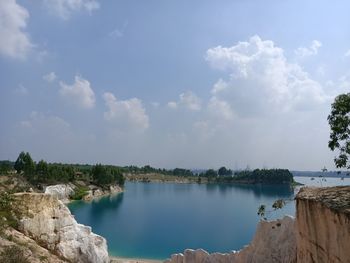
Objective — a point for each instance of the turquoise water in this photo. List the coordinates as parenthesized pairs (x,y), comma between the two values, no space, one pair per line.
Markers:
(155,220)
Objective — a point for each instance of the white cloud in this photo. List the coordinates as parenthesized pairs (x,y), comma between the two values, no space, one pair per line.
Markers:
(261,79)
(172,104)
(21,90)
(129,114)
(65,8)
(14,41)
(188,100)
(50,77)
(79,93)
(309,51)
(347,53)
(118,32)
(220,109)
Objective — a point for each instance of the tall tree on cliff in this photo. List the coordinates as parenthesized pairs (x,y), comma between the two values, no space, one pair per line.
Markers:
(26,164)
(339,121)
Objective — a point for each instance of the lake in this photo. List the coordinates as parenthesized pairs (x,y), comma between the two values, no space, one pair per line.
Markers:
(155,220)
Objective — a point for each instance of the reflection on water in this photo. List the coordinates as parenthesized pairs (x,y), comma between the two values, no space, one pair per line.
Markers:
(154,220)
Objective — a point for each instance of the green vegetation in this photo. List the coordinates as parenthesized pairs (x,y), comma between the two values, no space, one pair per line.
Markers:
(6,216)
(80,192)
(269,176)
(104,175)
(278,204)
(6,167)
(51,173)
(339,121)
(13,254)
(107,174)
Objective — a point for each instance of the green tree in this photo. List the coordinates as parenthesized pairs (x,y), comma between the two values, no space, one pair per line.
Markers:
(29,167)
(224,172)
(26,164)
(211,173)
(42,171)
(339,121)
(19,164)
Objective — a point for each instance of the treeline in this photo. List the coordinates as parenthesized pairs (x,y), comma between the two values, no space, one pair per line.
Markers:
(270,176)
(43,172)
(49,173)
(149,169)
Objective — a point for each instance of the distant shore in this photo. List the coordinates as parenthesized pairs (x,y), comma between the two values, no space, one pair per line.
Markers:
(133,260)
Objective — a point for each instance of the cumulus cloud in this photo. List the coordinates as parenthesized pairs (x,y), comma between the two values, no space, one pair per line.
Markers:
(220,109)
(126,114)
(79,93)
(65,8)
(309,51)
(262,80)
(50,77)
(14,41)
(187,100)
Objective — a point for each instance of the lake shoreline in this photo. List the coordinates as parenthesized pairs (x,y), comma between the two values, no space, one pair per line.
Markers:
(133,260)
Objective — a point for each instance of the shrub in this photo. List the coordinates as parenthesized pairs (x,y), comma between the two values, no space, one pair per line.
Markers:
(13,254)
(80,192)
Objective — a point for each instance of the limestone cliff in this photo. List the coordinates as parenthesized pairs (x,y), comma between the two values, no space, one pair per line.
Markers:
(62,191)
(31,250)
(96,192)
(65,191)
(323,224)
(49,222)
(274,241)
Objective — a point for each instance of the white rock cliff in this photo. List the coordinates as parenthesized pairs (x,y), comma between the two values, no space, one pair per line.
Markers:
(48,221)
(273,242)
(62,191)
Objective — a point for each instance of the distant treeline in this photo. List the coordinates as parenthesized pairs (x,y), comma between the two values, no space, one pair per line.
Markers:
(321,174)
(50,173)
(43,172)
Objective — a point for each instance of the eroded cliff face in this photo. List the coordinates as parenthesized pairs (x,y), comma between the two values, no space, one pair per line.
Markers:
(274,241)
(49,222)
(63,192)
(95,192)
(323,225)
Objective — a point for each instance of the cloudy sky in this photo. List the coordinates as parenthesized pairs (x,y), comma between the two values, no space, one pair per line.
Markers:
(195,84)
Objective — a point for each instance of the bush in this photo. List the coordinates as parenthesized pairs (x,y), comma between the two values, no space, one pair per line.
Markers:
(13,254)
(80,192)
(6,215)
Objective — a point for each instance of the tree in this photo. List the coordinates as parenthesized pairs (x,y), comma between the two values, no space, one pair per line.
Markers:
(26,164)
(42,171)
(19,164)
(224,172)
(29,166)
(211,173)
(339,121)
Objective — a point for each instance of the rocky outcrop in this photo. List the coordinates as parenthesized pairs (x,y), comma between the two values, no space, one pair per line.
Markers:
(49,222)
(30,249)
(323,224)
(62,191)
(274,241)
(96,192)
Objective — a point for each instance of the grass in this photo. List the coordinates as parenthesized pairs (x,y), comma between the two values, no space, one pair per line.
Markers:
(80,192)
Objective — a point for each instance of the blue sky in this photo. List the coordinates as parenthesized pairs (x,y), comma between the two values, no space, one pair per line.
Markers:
(195,84)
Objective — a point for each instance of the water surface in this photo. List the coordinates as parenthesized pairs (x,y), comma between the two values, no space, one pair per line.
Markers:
(155,220)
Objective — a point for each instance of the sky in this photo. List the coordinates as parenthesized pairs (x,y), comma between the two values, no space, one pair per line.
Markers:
(172,83)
